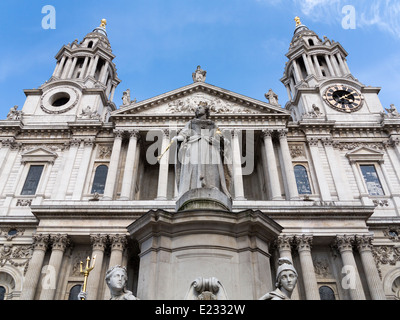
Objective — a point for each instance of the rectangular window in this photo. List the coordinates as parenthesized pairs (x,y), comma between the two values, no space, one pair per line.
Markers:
(371,179)
(32,180)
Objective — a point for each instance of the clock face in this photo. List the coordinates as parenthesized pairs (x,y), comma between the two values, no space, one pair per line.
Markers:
(343,98)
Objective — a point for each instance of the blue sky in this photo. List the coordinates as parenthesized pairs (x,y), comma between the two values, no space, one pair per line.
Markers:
(159,43)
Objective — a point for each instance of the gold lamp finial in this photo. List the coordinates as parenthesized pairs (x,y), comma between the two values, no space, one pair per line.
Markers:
(298,22)
(103,23)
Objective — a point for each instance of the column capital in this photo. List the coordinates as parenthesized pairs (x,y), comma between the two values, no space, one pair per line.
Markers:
(119,134)
(303,242)
(89,142)
(267,133)
(99,241)
(118,241)
(364,242)
(166,133)
(41,241)
(344,242)
(284,242)
(282,133)
(75,142)
(59,241)
(134,133)
(313,141)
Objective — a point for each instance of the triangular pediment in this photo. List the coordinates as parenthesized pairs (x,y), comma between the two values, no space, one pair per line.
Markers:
(365,154)
(39,154)
(183,101)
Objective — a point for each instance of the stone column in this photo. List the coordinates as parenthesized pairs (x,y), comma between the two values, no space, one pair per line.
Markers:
(296,72)
(164,168)
(72,68)
(59,243)
(84,67)
(66,68)
(130,164)
(330,67)
(118,243)
(284,245)
(83,169)
(305,59)
(317,66)
(113,168)
(60,67)
(364,246)
(288,167)
(352,282)
(63,181)
(273,183)
(237,166)
(99,242)
(104,72)
(303,244)
(93,66)
(40,244)
(316,159)
(341,64)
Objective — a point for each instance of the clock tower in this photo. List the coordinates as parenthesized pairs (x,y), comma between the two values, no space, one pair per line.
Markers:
(319,82)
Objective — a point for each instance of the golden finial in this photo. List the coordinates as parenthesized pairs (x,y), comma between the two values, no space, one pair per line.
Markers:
(103,23)
(298,22)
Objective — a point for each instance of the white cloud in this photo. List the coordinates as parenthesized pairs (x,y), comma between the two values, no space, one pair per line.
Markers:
(382,14)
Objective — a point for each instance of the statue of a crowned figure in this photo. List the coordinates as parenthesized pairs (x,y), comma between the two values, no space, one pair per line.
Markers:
(203,166)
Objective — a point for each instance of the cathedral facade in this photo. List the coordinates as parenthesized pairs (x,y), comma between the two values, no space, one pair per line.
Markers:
(316,180)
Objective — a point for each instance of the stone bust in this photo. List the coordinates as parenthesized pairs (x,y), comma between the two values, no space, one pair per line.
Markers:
(116,279)
(286,280)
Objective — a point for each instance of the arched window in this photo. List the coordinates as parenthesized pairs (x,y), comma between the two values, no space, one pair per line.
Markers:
(326,293)
(99,181)
(73,293)
(310,42)
(303,183)
(90,45)
(2,293)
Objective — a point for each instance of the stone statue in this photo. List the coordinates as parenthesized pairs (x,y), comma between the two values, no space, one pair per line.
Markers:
(199,75)
(206,289)
(272,97)
(14,114)
(126,97)
(286,279)
(116,279)
(203,155)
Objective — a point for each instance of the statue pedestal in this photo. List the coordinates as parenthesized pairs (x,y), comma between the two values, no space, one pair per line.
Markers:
(178,247)
(204,198)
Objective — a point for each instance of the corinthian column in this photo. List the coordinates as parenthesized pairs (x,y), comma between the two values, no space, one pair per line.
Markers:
(164,168)
(127,181)
(49,284)
(303,243)
(288,166)
(364,245)
(99,242)
(118,244)
(272,167)
(352,280)
(237,166)
(284,245)
(40,244)
(113,169)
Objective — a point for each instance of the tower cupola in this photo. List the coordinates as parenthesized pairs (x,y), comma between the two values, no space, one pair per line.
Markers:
(312,60)
(89,62)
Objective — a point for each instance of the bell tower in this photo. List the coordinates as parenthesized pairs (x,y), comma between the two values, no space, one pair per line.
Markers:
(83,82)
(318,80)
